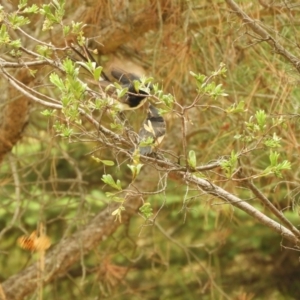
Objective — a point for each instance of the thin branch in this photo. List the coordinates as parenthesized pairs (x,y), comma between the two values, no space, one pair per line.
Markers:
(272,208)
(17,84)
(217,191)
(267,37)
(50,46)
(8,64)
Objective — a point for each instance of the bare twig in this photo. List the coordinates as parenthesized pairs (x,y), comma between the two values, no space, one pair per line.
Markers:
(8,64)
(272,208)
(265,35)
(217,191)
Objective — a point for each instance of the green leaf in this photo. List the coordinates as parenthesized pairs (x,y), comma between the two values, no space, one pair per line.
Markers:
(110,181)
(108,162)
(97,73)
(274,158)
(33,9)
(199,77)
(44,50)
(69,67)
(66,30)
(62,129)
(192,161)
(98,103)
(121,92)
(135,170)
(137,85)
(105,162)
(261,117)
(22,4)
(53,12)
(146,142)
(116,127)
(146,210)
(273,142)
(57,81)
(16,43)
(117,85)
(236,108)
(66,132)
(18,21)
(168,100)
(4,37)
(275,167)
(77,27)
(48,112)
(229,165)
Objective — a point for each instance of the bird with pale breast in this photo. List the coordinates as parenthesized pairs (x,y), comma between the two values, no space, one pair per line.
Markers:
(153,129)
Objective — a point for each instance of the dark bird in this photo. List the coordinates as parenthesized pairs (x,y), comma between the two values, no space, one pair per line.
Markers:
(133,98)
(152,132)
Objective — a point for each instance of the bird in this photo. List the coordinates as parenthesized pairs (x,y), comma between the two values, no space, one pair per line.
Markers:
(133,98)
(154,127)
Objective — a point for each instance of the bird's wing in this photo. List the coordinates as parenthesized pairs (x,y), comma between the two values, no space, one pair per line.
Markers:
(123,76)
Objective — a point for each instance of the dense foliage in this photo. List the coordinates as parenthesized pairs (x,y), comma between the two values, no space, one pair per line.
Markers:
(212,214)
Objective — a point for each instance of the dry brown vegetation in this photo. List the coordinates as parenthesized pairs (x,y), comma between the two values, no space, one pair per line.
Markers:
(215,233)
